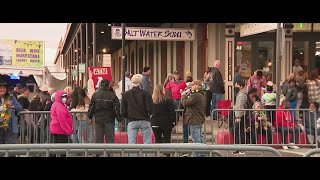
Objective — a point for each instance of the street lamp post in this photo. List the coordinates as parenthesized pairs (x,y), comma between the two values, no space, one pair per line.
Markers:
(278,63)
(123,26)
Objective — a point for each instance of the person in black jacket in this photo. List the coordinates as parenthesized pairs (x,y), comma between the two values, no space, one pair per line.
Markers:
(105,107)
(23,98)
(216,84)
(163,117)
(136,106)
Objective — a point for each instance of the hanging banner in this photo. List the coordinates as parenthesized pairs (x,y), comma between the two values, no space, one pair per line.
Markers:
(21,53)
(99,73)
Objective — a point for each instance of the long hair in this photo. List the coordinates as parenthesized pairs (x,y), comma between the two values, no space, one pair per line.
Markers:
(74,98)
(168,79)
(81,96)
(158,96)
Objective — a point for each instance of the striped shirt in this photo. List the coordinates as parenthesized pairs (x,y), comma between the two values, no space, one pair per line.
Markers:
(241,101)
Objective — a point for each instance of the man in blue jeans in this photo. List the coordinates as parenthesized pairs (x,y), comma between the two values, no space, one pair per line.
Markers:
(136,106)
(195,104)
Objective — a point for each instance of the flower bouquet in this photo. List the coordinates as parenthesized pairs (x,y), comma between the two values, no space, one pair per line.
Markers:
(5,114)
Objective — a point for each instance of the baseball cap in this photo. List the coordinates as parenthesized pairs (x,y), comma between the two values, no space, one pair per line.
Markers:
(105,82)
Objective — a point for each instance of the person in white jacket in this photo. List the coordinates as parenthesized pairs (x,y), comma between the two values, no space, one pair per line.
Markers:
(128,84)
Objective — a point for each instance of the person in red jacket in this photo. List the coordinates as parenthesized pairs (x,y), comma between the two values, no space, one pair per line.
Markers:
(61,125)
(285,124)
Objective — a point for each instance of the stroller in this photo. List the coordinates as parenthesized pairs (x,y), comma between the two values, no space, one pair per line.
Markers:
(224,115)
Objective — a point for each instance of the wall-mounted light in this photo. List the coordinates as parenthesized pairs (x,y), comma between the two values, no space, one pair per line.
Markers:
(75,50)
(109,25)
(301,52)
(102,32)
(104,50)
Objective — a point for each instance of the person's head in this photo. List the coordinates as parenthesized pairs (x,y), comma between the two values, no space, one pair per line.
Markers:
(292,83)
(51,90)
(217,64)
(176,75)
(314,75)
(68,90)
(297,62)
(26,91)
(257,105)
(301,73)
(313,106)
(18,87)
(196,85)
(189,79)
(259,74)
(237,69)
(136,80)
(61,97)
(169,78)
(147,70)
(205,74)
(158,96)
(3,89)
(286,104)
(269,86)
(104,83)
(291,76)
(253,94)
(128,75)
(188,73)
(240,85)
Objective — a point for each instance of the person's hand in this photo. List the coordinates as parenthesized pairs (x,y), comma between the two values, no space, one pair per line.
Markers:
(259,118)
(237,120)
(183,93)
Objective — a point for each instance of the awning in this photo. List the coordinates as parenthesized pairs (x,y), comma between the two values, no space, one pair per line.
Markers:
(21,71)
(59,75)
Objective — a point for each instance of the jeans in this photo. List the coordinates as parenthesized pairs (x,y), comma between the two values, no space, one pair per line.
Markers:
(293,105)
(146,130)
(104,129)
(197,135)
(85,132)
(76,129)
(8,137)
(285,134)
(185,133)
(177,103)
(214,103)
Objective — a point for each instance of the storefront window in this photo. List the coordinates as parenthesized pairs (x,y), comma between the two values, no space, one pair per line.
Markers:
(266,58)
(316,27)
(243,57)
(299,52)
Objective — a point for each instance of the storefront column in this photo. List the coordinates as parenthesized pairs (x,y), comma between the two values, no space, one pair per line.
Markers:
(286,64)
(229,61)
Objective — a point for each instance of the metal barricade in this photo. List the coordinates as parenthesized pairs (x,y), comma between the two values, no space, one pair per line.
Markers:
(312,152)
(125,150)
(260,131)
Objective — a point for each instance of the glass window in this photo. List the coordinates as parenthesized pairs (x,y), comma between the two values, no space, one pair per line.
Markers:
(266,58)
(298,52)
(316,27)
(243,57)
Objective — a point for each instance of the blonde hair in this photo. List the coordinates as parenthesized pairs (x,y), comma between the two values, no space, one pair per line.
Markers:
(169,78)
(158,96)
(68,89)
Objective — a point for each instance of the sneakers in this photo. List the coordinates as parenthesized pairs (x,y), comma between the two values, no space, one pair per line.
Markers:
(184,155)
(285,147)
(293,146)
(238,152)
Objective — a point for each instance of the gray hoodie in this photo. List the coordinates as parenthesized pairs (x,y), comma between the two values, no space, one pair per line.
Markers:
(146,83)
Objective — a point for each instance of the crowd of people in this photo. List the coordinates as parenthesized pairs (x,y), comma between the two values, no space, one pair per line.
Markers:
(152,109)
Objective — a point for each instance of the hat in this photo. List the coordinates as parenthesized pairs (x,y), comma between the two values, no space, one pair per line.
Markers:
(145,69)
(176,72)
(104,82)
(44,88)
(3,83)
(136,79)
(19,85)
(269,83)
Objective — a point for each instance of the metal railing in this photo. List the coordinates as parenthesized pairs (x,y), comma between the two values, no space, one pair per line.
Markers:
(311,152)
(125,150)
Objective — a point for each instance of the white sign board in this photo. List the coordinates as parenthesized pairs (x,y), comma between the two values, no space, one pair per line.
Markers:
(82,68)
(248,29)
(162,34)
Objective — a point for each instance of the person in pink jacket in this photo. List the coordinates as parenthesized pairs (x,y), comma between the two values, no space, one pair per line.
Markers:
(61,125)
